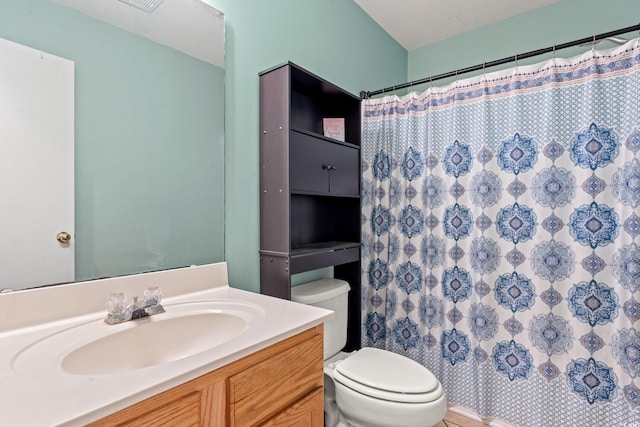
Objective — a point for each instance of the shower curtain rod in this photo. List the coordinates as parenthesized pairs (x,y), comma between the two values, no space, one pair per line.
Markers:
(592,39)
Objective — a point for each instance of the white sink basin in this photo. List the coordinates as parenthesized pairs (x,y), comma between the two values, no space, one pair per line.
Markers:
(153,341)
(184,330)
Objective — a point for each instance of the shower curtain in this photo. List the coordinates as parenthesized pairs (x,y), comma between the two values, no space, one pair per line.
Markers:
(500,224)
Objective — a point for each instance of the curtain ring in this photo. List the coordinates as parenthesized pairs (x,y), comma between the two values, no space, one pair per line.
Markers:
(516,57)
(554,52)
(593,45)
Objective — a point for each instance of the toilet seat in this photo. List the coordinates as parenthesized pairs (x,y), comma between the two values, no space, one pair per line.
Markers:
(384,375)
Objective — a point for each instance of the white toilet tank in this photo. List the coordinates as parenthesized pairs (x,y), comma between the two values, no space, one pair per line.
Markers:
(331,294)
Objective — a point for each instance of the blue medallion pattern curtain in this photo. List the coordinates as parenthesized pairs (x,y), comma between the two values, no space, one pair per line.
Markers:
(500,238)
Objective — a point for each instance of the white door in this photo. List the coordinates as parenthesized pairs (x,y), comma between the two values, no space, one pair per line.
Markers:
(36,167)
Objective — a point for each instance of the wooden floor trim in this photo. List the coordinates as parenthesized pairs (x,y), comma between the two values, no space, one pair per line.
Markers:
(456,420)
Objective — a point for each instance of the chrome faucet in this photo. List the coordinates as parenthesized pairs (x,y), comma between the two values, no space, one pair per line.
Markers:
(118,311)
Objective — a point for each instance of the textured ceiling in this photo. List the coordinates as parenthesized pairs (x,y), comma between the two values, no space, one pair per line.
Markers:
(197,29)
(190,26)
(416,23)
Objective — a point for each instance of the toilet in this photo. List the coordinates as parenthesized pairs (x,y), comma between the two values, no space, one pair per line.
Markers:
(369,387)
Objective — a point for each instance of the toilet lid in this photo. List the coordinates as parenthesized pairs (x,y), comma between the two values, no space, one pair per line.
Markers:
(386,375)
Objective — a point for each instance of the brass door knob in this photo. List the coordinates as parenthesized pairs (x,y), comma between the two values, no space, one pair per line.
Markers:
(63,237)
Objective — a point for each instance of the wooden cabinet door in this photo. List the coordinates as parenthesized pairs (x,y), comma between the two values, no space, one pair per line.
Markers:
(196,403)
(258,392)
(308,412)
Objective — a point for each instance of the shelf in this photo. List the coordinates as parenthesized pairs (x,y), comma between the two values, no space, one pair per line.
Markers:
(309,185)
(312,99)
(318,255)
(323,194)
(322,247)
(325,254)
(310,84)
(326,138)
(321,218)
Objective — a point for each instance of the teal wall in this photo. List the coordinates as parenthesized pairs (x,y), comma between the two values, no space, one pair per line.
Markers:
(561,22)
(149,145)
(149,127)
(338,41)
(331,38)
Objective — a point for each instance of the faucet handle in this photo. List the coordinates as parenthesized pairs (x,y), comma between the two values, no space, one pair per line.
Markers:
(151,294)
(116,303)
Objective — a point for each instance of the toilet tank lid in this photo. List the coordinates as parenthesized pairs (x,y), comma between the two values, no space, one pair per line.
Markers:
(320,290)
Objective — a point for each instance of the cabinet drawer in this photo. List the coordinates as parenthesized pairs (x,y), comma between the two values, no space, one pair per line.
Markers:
(267,388)
(323,167)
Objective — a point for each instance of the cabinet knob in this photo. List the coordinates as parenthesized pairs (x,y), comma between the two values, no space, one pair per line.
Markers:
(328,167)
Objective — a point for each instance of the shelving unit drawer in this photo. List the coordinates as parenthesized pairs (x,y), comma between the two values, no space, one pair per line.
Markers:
(265,389)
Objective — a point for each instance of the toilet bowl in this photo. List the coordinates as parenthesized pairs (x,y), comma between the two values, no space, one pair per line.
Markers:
(369,387)
(375,387)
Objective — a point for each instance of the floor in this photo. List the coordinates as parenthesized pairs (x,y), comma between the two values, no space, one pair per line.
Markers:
(456,420)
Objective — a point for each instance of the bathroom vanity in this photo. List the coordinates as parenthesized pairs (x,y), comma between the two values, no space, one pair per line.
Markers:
(267,371)
(280,385)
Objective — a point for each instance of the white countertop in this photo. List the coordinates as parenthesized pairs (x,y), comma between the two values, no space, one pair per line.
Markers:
(52,397)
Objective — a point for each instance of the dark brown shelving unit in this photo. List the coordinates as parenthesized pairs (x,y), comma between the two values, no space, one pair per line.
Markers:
(309,184)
